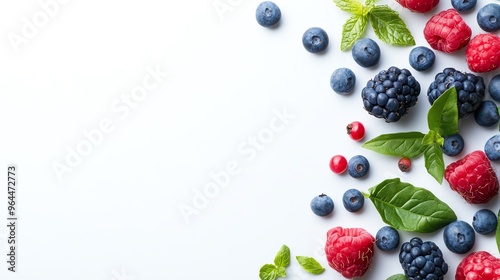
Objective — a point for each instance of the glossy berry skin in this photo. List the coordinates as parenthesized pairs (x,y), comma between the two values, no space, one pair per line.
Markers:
(494,88)
(390,94)
(487,114)
(315,40)
(421,58)
(404,164)
(483,53)
(470,89)
(478,265)
(459,237)
(492,148)
(418,6)
(322,205)
(338,164)
(268,14)
(485,221)
(358,166)
(387,238)
(488,17)
(366,52)
(353,200)
(463,5)
(342,81)
(453,145)
(447,31)
(422,260)
(349,251)
(356,130)
(473,178)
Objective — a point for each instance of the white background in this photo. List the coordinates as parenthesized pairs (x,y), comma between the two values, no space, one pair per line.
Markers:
(116,212)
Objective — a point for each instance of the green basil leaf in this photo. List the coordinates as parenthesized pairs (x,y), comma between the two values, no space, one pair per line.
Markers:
(497,234)
(351,6)
(389,27)
(268,272)
(409,208)
(310,265)
(281,272)
(432,138)
(282,258)
(406,144)
(397,277)
(352,30)
(434,162)
(443,114)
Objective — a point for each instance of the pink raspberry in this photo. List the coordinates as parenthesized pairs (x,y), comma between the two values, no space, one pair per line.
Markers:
(418,6)
(447,31)
(349,250)
(483,53)
(478,266)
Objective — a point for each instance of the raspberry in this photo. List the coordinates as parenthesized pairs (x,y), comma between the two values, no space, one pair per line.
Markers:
(422,260)
(419,6)
(349,250)
(390,94)
(478,265)
(473,178)
(470,89)
(447,31)
(483,53)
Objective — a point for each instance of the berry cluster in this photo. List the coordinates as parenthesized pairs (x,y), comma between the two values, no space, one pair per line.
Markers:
(422,260)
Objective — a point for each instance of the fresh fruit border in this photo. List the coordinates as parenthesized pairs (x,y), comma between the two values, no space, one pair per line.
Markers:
(401,205)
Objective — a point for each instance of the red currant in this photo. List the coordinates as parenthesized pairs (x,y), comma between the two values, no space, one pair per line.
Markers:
(356,130)
(404,164)
(338,164)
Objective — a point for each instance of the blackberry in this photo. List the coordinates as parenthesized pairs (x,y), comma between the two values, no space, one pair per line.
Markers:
(422,260)
(390,94)
(470,89)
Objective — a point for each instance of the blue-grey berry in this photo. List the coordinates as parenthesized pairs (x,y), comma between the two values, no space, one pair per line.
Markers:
(353,200)
(421,58)
(459,237)
(487,114)
(358,166)
(494,88)
(488,17)
(453,145)
(463,5)
(268,14)
(485,221)
(387,238)
(342,81)
(492,148)
(366,52)
(322,205)
(315,40)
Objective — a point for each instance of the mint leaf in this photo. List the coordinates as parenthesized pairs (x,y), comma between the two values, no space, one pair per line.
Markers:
(268,272)
(281,272)
(282,258)
(443,114)
(397,277)
(369,4)
(406,144)
(352,30)
(351,6)
(497,234)
(433,156)
(389,27)
(406,207)
(310,265)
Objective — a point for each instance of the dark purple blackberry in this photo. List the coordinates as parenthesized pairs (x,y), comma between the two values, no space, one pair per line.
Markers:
(470,89)
(422,260)
(390,94)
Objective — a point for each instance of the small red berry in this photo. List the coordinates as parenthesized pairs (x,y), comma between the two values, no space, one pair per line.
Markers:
(404,164)
(356,130)
(338,164)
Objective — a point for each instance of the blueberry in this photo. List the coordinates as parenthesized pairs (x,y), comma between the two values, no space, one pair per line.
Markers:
(322,205)
(453,145)
(487,114)
(459,237)
(268,14)
(494,88)
(421,58)
(358,166)
(342,81)
(387,238)
(488,17)
(492,148)
(315,40)
(366,52)
(463,5)
(353,200)
(484,221)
